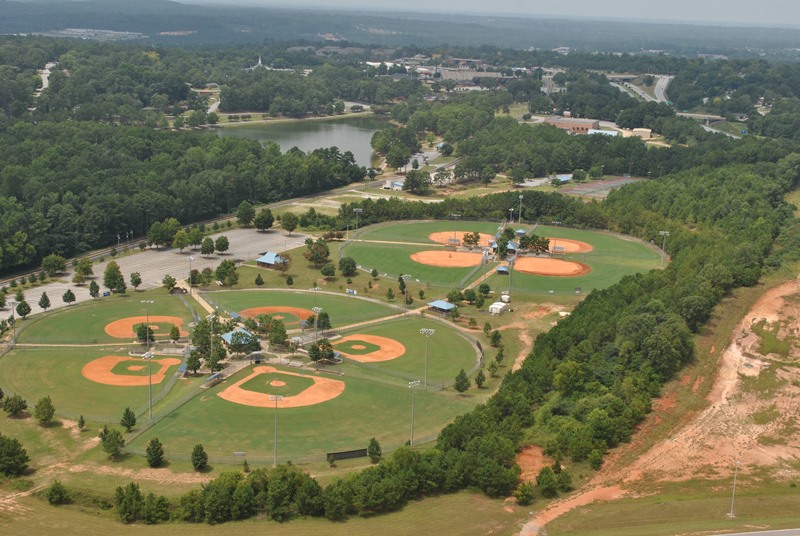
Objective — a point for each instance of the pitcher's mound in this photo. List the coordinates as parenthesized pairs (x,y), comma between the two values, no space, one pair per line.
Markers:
(551,267)
(447,259)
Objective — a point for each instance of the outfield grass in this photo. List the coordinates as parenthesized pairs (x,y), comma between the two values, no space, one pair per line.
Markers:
(56,372)
(448,352)
(342,309)
(85,323)
(366,409)
(611,259)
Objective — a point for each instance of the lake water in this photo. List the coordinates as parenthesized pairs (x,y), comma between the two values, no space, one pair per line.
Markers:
(348,134)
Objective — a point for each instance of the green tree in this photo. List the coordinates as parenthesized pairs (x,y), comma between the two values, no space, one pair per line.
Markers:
(169,282)
(207,247)
(13,457)
(501,352)
(68,297)
(128,420)
(129,502)
(56,493)
(112,276)
(193,361)
(264,220)
(480,378)
(199,457)
(289,222)
(94,289)
(54,264)
(462,382)
(44,301)
(493,368)
(113,443)
(195,237)
(174,333)
(221,244)
(259,280)
(324,320)
(23,309)
(389,294)
(546,483)
(525,494)
(277,332)
(81,423)
(154,453)
(496,339)
(181,240)
(84,267)
(348,266)
(328,270)
(136,280)
(245,214)
(374,273)
(317,251)
(44,410)
(144,332)
(14,405)
(374,450)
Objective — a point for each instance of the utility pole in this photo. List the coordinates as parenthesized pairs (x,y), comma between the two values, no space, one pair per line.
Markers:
(664,235)
(413,386)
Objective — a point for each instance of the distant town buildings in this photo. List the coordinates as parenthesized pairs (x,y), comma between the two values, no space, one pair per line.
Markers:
(573,125)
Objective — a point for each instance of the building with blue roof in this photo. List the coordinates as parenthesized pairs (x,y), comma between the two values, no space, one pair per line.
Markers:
(269,260)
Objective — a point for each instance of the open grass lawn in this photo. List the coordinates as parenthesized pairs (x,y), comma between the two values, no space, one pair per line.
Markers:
(694,507)
(418,231)
(343,309)
(56,372)
(85,323)
(611,259)
(477,516)
(448,352)
(366,409)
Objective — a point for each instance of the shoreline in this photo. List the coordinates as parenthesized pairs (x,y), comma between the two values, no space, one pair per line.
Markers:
(289,119)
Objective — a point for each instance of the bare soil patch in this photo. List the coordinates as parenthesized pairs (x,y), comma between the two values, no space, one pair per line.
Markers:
(531,460)
(124,328)
(99,371)
(447,259)
(323,390)
(550,267)
(442,237)
(570,246)
(389,348)
(275,312)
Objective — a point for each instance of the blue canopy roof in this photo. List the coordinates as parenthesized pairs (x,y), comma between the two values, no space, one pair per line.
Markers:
(228,337)
(502,269)
(441,304)
(270,258)
(519,232)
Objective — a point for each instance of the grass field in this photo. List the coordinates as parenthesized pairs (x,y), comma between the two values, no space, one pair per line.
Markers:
(56,372)
(611,259)
(366,409)
(448,352)
(477,516)
(85,323)
(343,309)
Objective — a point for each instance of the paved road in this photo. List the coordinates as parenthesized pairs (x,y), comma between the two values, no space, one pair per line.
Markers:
(661,88)
(153,265)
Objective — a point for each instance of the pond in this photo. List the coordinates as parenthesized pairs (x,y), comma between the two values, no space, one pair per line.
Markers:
(347,133)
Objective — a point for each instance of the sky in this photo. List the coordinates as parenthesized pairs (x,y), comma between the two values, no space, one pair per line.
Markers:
(739,12)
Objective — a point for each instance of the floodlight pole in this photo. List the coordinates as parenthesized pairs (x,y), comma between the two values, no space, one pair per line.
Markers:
(13,324)
(519,214)
(427,332)
(455,217)
(664,235)
(413,386)
(315,289)
(556,223)
(511,215)
(149,357)
(357,212)
(190,271)
(276,398)
(317,311)
(733,493)
(211,319)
